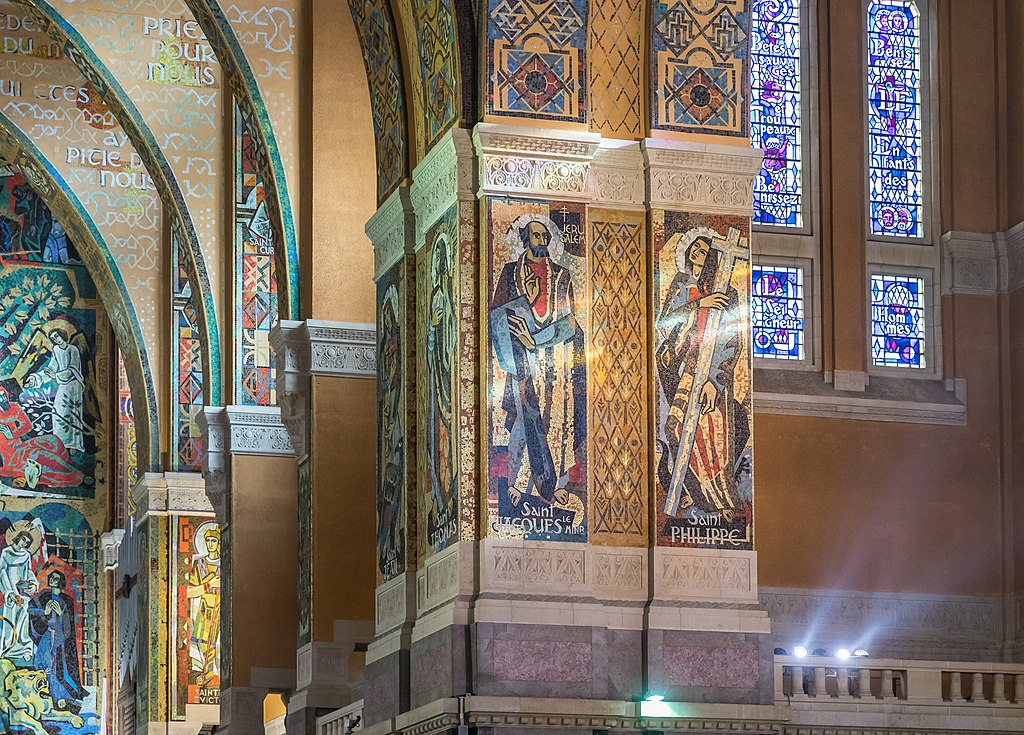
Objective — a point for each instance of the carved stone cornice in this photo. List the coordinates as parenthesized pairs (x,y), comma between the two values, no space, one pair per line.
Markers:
(1014,243)
(227,430)
(698,177)
(111,544)
(392,230)
(530,162)
(163,493)
(316,347)
(617,175)
(445,175)
(971,263)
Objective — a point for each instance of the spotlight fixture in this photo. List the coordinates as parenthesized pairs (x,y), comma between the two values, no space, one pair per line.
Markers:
(861,653)
(799,651)
(780,652)
(843,653)
(654,698)
(819,652)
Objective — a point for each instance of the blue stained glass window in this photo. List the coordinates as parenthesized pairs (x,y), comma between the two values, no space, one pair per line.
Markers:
(894,118)
(777,312)
(897,321)
(775,111)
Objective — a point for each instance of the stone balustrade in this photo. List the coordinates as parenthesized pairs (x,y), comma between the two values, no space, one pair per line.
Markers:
(341,721)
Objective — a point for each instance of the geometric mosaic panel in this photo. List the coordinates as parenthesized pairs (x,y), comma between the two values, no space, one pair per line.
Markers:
(376,30)
(255,277)
(187,371)
(894,119)
(618,390)
(775,111)
(700,66)
(435,31)
(615,64)
(536,59)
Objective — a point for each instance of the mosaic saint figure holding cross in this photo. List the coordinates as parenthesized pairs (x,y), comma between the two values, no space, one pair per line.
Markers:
(703,428)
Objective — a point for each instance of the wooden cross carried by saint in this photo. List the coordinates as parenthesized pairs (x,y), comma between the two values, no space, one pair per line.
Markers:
(730,250)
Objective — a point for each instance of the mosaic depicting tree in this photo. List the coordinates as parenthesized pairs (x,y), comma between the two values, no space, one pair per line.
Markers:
(775,111)
(51,431)
(894,119)
(777,312)
(256,285)
(897,321)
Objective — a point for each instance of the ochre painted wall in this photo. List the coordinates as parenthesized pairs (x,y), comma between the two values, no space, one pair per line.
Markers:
(344,501)
(1015,109)
(864,505)
(264,558)
(340,171)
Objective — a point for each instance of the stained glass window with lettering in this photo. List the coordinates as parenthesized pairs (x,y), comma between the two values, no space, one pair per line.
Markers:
(256,287)
(187,372)
(896,181)
(777,312)
(897,321)
(775,111)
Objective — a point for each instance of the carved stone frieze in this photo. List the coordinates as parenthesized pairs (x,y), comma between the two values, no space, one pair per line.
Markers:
(241,710)
(619,573)
(547,164)
(705,575)
(889,625)
(547,568)
(617,175)
(970,263)
(160,493)
(1014,243)
(441,578)
(697,177)
(446,175)
(391,230)
(111,544)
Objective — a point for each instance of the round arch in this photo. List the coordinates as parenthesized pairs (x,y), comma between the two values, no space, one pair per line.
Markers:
(153,158)
(21,153)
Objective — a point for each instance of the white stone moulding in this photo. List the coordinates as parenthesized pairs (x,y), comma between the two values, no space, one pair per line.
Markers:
(162,493)
(391,231)
(110,542)
(446,175)
(697,177)
(866,409)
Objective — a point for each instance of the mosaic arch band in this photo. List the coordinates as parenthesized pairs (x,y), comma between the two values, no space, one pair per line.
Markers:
(703,380)
(537,375)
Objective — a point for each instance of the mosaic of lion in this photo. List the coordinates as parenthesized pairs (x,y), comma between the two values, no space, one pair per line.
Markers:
(25,700)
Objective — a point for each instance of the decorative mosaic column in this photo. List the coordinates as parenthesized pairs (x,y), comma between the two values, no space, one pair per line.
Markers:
(326,389)
(392,232)
(168,505)
(249,471)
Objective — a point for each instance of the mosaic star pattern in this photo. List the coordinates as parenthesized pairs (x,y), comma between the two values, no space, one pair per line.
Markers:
(537,59)
(700,67)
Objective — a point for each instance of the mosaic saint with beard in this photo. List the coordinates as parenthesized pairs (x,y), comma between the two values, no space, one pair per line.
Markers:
(540,346)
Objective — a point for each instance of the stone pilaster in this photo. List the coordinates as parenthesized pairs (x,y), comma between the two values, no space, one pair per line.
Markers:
(251,493)
(325,373)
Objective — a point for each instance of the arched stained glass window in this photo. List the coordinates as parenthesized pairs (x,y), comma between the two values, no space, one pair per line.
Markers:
(775,111)
(896,183)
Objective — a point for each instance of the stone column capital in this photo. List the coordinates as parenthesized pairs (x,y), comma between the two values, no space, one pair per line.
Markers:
(701,177)
(163,493)
(111,545)
(227,430)
(392,230)
(447,174)
(534,162)
(316,347)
